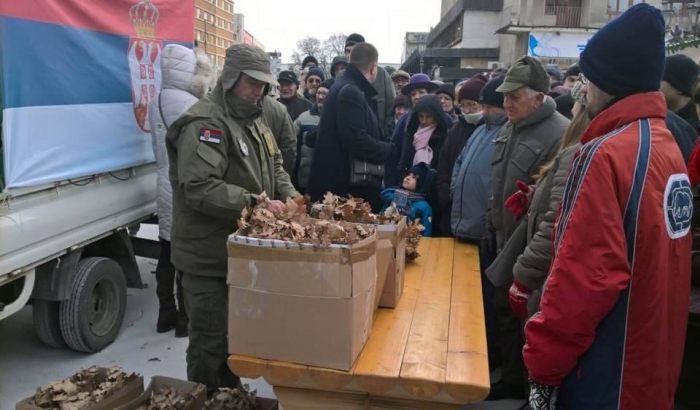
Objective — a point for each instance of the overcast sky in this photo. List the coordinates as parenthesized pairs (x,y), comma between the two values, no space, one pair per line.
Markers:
(278,24)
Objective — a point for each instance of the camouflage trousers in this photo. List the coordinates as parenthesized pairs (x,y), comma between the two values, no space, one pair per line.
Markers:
(206,301)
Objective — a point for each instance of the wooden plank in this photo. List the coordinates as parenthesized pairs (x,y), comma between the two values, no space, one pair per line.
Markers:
(425,359)
(248,367)
(378,367)
(302,399)
(467,375)
(283,372)
(329,379)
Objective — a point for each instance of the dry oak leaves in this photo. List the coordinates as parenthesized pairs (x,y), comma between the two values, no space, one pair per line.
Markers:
(168,398)
(233,399)
(83,389)
(329,222)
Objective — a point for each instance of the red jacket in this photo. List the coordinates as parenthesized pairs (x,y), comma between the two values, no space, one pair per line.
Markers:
(614,311)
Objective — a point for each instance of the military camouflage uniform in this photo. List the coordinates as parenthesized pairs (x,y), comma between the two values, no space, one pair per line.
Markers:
(222,155)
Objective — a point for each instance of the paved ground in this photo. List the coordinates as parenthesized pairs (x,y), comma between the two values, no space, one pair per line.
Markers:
(25,363)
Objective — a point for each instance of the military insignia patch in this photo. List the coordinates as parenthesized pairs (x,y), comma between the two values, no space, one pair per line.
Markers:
(244,147)
(209,135)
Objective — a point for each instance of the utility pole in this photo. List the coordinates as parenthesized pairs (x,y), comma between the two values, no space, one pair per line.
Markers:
(422,43)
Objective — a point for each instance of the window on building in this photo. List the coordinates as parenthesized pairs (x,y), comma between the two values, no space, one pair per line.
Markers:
(199,35)
(619,6)
(198,12)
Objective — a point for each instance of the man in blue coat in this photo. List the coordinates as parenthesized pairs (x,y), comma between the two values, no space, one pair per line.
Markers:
(349,130)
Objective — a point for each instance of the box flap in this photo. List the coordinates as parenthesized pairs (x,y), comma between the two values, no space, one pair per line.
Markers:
(198,391)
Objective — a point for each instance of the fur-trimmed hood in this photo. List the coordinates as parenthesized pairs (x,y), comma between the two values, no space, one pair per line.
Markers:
(187,70)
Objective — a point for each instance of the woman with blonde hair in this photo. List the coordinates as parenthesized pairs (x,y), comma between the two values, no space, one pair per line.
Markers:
(532,266)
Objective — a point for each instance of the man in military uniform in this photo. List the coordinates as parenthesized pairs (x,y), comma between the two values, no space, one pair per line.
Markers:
(222,156)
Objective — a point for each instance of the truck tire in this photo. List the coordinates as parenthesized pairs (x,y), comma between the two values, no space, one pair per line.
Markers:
(45,314)
(92,316)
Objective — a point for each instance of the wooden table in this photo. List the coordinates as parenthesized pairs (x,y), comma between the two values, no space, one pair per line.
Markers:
(428,353)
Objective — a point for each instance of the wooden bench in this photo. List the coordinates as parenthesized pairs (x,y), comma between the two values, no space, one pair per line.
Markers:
(428,353)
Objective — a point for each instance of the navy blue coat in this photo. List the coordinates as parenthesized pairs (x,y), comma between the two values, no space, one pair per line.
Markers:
(684,134)
(348,129)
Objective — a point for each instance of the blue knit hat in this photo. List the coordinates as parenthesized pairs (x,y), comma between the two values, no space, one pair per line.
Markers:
(627,55)
(317,72)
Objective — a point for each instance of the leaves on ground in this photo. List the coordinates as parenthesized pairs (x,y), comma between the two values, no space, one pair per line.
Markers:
(414,233)
(169,398)
(293,224)
(233,399)
(83,389)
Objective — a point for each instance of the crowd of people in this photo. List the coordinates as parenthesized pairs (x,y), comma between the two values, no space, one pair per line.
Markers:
(572,182)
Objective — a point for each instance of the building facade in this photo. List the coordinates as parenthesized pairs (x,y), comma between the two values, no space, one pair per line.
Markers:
(480,35)
(413,41)
(214,28)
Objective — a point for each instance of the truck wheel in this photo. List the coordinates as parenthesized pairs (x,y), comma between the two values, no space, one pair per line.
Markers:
(47,324)
(92,316)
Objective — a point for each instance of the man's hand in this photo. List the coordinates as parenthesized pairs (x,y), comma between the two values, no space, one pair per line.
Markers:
(543,397)
(519,202)
(518,296)
(276,207)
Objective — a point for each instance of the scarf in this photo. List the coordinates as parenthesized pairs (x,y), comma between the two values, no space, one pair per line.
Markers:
(420,142)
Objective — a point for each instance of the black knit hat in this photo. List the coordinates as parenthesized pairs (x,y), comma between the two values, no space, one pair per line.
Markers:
(307,60)
(573,71)
(489,95)
(425,177)
(448,89)
(353,39)
(327,84)
(681,72)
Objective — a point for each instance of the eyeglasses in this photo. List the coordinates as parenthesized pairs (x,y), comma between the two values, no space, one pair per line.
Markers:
(314,81)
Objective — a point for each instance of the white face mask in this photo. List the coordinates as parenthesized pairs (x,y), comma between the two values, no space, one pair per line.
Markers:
(473,118)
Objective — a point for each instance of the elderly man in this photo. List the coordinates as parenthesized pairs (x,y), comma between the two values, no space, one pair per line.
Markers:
(349,131)
(338,65)
(289,84)
(612,324)
(530,139)
(222,156)
(400,78)
(314,77)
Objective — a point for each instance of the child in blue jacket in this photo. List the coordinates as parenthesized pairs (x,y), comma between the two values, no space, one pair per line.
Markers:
(411,199)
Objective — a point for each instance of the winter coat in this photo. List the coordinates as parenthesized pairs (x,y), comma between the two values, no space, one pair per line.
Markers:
(521,149)
(187,76)
(682,132)
(430,104)
(222,155)
(419,209)
(690,114)
(296,105)
(277,118)
(348,130)
(612,322)
(384,100)
(307,122)
(470,184)
(532,266)
(457,138)
(392,178)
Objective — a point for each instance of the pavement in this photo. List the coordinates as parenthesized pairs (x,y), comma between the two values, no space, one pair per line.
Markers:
(26,363)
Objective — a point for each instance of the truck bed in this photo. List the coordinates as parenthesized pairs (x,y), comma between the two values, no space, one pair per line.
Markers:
(40,224)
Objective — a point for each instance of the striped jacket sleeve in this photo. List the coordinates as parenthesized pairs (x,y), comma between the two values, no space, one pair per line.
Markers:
(589,270)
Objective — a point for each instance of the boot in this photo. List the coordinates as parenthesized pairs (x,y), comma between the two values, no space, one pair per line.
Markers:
(167,312)
(182,319)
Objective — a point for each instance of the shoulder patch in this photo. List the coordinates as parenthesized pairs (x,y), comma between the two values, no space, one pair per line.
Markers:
(210,135)
(678,206)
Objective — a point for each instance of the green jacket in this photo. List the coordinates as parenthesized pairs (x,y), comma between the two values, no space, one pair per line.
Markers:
(218,166)
(280,123)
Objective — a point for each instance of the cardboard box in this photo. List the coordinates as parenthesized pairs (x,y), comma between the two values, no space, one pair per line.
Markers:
(267,404)
(385,254)
(299,303)
(393,285)
(125,395)
(198,391)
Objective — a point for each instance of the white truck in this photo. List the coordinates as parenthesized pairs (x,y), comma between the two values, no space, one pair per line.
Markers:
(76,163)
(65,249)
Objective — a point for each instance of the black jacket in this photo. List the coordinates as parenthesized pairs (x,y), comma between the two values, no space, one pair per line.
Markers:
(296,106)
(431,104)
(348,129)
(682,132)
(690,114)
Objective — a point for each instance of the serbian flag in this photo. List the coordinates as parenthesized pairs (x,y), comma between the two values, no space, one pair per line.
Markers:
(76,80)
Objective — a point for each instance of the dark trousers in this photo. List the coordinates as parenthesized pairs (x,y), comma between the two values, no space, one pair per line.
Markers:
(511,339)
(206,299)
(487,293)
(166,278)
